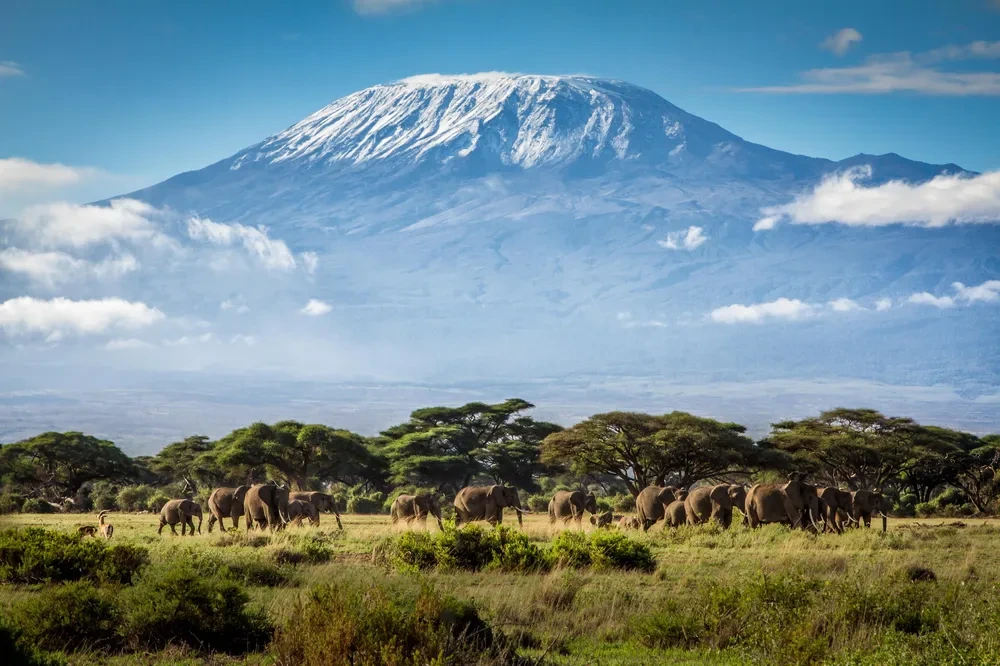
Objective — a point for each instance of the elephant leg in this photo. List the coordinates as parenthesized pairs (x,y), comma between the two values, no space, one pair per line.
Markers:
(160,531)
(173,529)
(211,523)
(183,526)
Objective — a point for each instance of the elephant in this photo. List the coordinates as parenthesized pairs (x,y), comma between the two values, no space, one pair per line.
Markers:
(486,503)
(180,511)
(628,523)
(322,501)
(792,503)
(681,495)
(415,507)
(710,503)
(299,509)
(651,504)
(868,502)
(226,503)
(676,514)
(567,505)
(836,506)
(602,519)
(267,505)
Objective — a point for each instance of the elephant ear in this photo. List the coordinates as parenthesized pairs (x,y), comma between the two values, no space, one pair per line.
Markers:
(498,495)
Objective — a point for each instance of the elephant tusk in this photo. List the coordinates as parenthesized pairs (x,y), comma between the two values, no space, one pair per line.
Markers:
(524,510)
(815,526)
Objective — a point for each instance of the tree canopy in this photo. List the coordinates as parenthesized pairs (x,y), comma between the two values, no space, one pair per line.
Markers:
(643,449)
(448,447)
(64,461)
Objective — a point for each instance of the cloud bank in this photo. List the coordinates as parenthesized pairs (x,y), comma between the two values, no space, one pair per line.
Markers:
(272,253)
(843,198)
(71,225)
(782,308)
(26,315)
(316,308)
(987,292)
(19,174)
(905,71)
(52,268)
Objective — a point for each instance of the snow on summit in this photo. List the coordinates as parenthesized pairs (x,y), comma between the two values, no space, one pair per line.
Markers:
(508,119)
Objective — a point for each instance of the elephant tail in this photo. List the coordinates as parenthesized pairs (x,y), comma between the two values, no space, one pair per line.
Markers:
(751,507)
(394,513)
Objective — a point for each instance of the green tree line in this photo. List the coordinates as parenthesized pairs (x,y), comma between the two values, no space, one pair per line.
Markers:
(442,449)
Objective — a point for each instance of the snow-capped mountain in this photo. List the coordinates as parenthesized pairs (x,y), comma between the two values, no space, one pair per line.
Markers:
(528,228)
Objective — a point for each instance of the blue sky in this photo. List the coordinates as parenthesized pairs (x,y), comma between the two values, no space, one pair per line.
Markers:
(144,90)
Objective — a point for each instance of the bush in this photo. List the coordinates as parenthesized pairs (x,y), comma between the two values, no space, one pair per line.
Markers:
(539,503)
(17,651)
(156,502)
(103,496)
(69,617)
(613,550)
(365,504)
(176,603)
(470,549)
(10,503)
(604,504)
(571,549)
(134,498)
(343,625)
(248,568)
(34,555)
(36,505)
(623,503)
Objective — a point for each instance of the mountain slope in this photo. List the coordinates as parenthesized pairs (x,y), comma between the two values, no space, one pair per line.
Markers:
(529,216)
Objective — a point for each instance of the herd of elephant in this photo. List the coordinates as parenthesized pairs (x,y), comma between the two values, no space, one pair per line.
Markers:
(796,503)
(271,506)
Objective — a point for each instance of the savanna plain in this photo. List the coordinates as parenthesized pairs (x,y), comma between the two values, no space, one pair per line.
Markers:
(924,592)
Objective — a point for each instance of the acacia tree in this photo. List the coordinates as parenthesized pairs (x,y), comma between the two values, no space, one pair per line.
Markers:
(978,477)
(936,460)
(860,448)
(186,463)
(448,447)
(63,461)
(642,449)
(302,455)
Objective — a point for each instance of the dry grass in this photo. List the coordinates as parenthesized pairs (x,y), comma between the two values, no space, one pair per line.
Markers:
(575,618)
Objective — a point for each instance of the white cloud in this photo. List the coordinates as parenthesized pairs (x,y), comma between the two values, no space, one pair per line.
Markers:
(315,308)
(52,268)
(10,68)
(988,292)
(840,41)
(926,298)
(65,224)
(18,174)
(247,340)
(123,344)
(783,308)
(903,72)
(231,305)
(311,261)
(883,304)
(843,199)
(187,340)
(386,6)
(844,305)
(26,315)
(271,252)
(689,239)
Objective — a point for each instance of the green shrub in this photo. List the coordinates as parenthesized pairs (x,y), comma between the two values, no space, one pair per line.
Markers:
(175,603)
(623,503)
(34,555)
(343,625)
(604,504)
(10,503)
(613,550)
(315,548)
(134,498)
(68,617)
(36,505)
(571,549)
(248,568)
(157,500)
(539,503)
(17,651)
(472,549)
(364,504)
(103,496)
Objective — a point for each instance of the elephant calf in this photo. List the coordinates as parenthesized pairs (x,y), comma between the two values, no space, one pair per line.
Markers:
(226,503)
(299,509)
(676,514)
(651,504)
(322,501)
(628,523)
(180,511)
(567,505)
(415,507)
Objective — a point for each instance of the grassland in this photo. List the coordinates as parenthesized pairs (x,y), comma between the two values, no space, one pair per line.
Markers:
(719,597)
